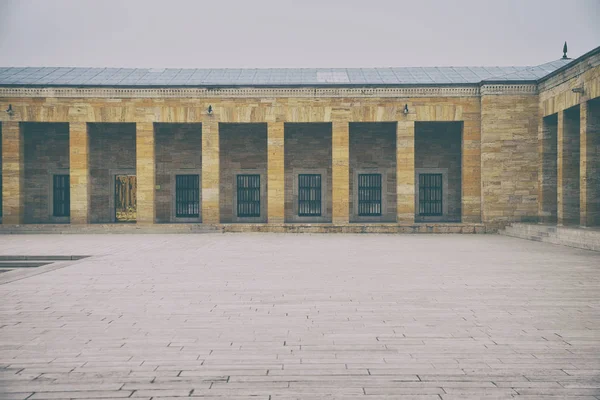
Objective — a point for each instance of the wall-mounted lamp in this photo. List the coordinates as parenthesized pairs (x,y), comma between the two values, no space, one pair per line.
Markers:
(209,109)
(406,109)
(10,110)
(577,90)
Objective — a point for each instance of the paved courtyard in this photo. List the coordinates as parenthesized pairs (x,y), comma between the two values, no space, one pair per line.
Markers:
(268,316)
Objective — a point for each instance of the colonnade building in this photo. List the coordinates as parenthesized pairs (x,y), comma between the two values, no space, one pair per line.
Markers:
(457,149)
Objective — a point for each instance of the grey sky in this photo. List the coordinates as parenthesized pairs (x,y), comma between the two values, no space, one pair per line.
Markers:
(289,33)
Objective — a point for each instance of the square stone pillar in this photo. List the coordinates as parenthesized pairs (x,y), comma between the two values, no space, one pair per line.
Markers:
(145,172)
(405,172)
(560,136)
(590,163)
(568,159)
(547,193)
(583,163)
(471,172)
(275,173)
(79,174)
(210,170)
(13,169)
(340,170)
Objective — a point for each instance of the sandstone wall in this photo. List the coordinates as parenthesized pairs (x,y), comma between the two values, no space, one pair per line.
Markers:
(438,145)
(178,150)
(46,151)
(112,150)
(243,150)
(509,157)
(373,150)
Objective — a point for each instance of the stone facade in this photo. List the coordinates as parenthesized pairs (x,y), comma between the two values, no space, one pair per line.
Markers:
(46,150)
(509,160)
(178,150)
(373,150)
(438,150)
(243,150)
(307,148)
(112,152)
(525,151)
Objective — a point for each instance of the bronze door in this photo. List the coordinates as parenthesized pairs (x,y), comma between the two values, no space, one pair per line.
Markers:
(125,198)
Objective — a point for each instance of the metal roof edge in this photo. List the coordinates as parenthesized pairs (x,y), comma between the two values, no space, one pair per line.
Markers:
(294,86)
(504,82)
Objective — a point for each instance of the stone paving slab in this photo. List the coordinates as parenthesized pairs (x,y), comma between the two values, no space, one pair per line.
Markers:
(271,316)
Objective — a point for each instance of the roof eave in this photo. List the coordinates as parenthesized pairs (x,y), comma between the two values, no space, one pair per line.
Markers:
(566,66)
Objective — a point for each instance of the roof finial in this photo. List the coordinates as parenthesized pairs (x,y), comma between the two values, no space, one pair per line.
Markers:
(565,51)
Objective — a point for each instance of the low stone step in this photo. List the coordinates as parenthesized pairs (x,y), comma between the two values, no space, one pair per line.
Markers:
(23,264)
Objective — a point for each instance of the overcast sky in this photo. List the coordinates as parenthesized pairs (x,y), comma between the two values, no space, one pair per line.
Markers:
(290,33)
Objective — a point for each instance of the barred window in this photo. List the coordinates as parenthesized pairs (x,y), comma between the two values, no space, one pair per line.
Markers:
(187,196)
(369,194)
(309,195)
(430,194)
(248,195)
(61,198)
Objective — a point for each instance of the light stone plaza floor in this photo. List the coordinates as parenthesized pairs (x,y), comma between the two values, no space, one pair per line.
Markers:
(270,316)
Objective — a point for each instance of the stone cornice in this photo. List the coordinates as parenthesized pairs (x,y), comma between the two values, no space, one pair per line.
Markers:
(509,89)
(211,93)
(242,92)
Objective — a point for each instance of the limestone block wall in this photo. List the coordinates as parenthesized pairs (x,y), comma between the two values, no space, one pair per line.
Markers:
(307,145)
(591,165)
(438,146)
(46,149)
(373,150)
(568,168)
(1,173)
(112,151)
(243,149)
(335,108)
(556,92)
(178,150)
(509,157)
(548,169)
(561,93)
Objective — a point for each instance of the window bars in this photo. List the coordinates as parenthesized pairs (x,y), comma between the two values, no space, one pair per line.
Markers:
(430,194)
(61,197)
(309,195)
(187,196)
(369,194)
(248,195)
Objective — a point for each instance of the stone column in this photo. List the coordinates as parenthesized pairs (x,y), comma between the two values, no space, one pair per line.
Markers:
(547,139)
(583,163)
(560,135)
(145,172)
(568,182)
(340,170)
(405,171)
(210,170)
(79,175)
(13,159)
(471,172)
(590,163)
(275,173)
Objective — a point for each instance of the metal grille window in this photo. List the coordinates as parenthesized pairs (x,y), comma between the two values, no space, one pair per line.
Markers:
(61,199)
(248,195)
(369,194)
(430,194)
(187,196)
(309,195)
